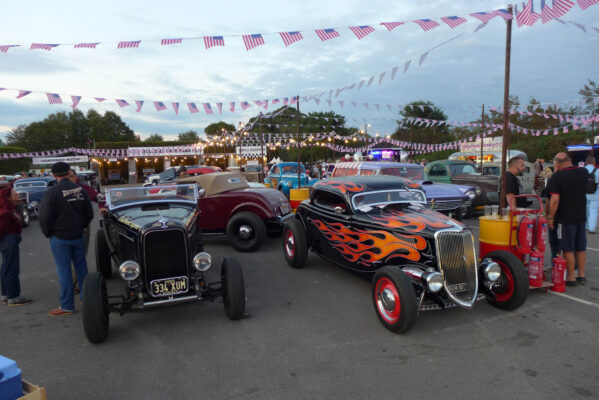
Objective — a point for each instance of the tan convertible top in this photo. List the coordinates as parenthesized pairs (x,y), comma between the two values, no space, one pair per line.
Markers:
(217,182)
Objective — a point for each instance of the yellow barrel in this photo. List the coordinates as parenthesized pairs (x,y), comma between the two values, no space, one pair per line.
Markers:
(296,196)
(494,234)
(267,184)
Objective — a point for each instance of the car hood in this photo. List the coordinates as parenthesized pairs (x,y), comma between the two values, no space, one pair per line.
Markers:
(144,217)
(412,219)
(437,190)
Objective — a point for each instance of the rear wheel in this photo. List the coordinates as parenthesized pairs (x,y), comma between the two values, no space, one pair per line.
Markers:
(511,289)
(295,243)
(96,311)
(246,231)
(103,261)
(24,216)
(233,288)
(394,299)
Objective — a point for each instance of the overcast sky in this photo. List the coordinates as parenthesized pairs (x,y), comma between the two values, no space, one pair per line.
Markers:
(549,61)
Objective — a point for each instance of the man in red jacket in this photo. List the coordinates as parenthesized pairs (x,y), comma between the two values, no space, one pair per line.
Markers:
(10,236)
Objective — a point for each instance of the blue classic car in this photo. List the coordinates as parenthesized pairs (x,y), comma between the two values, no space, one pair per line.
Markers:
(453,200)
(283,177)
(32,190)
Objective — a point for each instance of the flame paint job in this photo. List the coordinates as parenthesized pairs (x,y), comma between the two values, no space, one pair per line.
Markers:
(409,220)
(343,186)
(369,246)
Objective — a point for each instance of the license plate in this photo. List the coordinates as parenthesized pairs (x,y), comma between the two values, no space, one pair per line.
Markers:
(169,286)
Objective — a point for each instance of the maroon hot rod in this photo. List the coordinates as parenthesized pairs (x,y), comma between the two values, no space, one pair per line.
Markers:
(229,206)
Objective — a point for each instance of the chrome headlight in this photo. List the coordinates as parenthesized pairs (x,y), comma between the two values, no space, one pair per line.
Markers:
(471,195)
(478,191)
(202,261)
(289,183)
(492,271)
(285,208)
(129,270)
(434,281)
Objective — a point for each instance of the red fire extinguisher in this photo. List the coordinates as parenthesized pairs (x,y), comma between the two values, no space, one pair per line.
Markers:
(541,232)
(525,234)
(557,275)
(535,268)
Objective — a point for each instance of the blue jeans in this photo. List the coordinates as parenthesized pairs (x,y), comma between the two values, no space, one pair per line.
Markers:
(592,210)
(9,274)
(64,252)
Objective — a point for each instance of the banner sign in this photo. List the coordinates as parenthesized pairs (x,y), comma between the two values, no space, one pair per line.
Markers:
(244,151)
(52,160)
(189,150)
(494,144)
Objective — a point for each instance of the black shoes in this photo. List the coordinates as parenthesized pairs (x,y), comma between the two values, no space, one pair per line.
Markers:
(18,301)
(581,280)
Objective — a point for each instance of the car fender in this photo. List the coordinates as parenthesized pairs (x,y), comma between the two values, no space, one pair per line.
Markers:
(258,209)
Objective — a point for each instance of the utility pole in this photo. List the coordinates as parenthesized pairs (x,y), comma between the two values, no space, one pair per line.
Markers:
(506,98)
(482,139)
(261,142)
(299,181)
(411,145)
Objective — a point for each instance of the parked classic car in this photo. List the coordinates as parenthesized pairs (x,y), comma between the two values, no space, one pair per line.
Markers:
(283,176)
(527,179)
(32,190)
(418,259)
(464,173)
(155,241)
(229,206)
(453,200)
(166,176)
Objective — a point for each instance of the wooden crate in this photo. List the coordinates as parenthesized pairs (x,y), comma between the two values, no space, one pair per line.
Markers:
(32,392)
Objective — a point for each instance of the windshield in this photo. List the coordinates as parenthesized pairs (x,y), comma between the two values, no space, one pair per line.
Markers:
(388,197)
(491,171)
(404,172)
(462,169)
(125,196)
(291,169)
(28,184)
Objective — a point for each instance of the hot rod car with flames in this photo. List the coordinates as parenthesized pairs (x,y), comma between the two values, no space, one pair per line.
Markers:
(154,239)
(417,258)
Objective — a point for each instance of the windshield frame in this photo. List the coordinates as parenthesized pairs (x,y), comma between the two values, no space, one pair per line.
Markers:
(29,184)
(110,202)
(353,203)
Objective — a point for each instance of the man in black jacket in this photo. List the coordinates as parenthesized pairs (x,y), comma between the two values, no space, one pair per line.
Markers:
(65,211)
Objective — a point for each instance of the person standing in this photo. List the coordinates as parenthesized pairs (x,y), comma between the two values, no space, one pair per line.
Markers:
(592,198)
(513,186)
(65,211)
(567,214)
(10,237)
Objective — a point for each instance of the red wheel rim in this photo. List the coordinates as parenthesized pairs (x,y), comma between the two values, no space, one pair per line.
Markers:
(387,301)
(289,244)
(505,287)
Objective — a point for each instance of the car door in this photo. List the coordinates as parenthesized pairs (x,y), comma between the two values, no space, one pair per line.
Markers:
(274,176)
(328,226)
(439,173)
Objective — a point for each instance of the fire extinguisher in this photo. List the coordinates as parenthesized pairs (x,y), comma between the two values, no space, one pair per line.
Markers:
(525,234)
(541,232)
(535,268)
(557,275)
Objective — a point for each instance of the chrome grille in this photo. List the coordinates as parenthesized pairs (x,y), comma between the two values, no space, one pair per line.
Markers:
(457,263)
(445,204)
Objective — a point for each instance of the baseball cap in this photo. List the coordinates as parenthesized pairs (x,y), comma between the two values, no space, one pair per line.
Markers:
(60,168)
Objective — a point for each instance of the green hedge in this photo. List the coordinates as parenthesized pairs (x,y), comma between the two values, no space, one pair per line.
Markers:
(15,165)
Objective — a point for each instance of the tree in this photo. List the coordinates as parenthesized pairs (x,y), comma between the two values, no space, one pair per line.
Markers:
(422,134)
(217,128)
(154,138)
(189,136)
(590,96)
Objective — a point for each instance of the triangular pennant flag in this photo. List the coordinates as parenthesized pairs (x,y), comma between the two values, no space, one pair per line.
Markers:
(361,83)
(220,107)
(139,103)
(370,81)
(75,100)
(175,108)
(393,72)
(406,66)
(232,106)
(23,93)
(381,76)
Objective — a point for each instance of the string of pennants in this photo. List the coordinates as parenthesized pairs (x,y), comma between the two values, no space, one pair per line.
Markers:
(191,149)
(583,119)
(526,17)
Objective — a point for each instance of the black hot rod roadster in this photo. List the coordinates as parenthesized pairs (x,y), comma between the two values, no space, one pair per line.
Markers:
(152,235)
(418,259)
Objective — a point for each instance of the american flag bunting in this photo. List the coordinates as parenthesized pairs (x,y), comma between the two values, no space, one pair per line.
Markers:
(361,31)
(159,106)
(561,7)
(503,13)
(245,105)
(393,72)
(207,108)
(139,104)
(167,41)
(232,106)
(42,46)
(546,12)
(86,45)
(422,58)
(391,25)
(326,34)
(175,108)
(454,21)
(99,99)
(193,108)
(122,103)
(23,93)
(128,44)
(6,47)
(252,41)
(211,41)
(220,107)
(584,4)
(427,24)
(484,16)
(75,100)
(406,66)
(290,37)
(53,98)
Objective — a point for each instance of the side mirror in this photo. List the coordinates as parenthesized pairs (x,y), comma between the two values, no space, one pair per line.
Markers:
(339,210)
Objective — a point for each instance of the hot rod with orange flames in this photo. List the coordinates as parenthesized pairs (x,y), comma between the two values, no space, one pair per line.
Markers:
(418,259)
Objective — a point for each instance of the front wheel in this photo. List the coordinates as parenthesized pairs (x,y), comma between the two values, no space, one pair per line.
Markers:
(96,311)
(246,231)
(394,299)
(511,289)
(25,217)
(233,288)
(295,243)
